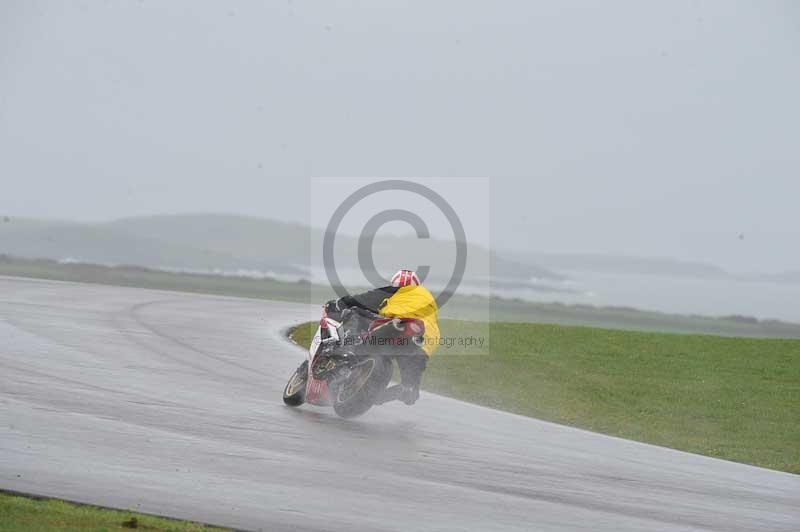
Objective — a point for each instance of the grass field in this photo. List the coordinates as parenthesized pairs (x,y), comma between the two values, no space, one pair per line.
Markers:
(23,514)
(732,398)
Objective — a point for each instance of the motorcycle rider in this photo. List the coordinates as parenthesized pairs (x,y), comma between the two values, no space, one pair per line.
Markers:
(404,298)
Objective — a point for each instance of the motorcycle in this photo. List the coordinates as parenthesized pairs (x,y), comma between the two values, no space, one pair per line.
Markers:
(349,363)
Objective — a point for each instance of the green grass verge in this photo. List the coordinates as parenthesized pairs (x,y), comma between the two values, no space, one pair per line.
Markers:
(23,514)
(731,398)
(460,307)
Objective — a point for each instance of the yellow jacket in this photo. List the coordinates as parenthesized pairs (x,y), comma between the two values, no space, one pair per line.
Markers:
(415,302)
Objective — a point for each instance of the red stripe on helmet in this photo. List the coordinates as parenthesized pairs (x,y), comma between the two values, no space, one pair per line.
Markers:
(405,278)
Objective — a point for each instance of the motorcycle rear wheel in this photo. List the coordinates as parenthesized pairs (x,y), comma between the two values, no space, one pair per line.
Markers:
(358,393)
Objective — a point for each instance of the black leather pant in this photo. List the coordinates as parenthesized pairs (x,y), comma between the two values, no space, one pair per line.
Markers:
(412,365)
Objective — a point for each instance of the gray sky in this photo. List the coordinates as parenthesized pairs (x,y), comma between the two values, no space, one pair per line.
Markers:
(642,128)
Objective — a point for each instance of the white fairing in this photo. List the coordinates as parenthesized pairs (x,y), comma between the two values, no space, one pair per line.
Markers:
(333,328)
(312,349)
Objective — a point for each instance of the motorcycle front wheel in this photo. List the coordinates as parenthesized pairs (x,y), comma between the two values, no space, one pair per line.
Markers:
(294,394)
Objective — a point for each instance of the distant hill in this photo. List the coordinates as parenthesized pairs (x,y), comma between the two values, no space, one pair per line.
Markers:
(107,243)
(207,242)
(259,246)
(792,276)
(626,265)
(247,238)
(568,263)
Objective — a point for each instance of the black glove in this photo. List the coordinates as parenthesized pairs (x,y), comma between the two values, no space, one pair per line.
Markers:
(332,306)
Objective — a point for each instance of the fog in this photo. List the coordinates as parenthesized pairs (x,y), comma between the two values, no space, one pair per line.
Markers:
(626,128)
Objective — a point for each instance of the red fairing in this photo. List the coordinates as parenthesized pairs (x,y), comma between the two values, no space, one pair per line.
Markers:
(410,326)
(317,392)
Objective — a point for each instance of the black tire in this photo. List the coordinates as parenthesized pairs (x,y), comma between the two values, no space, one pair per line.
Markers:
(349,402)
(294,393)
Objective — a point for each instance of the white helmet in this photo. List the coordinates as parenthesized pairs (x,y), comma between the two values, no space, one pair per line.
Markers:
(405,278)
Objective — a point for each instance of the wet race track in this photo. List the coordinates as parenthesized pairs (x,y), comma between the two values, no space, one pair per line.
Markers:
(170,403)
